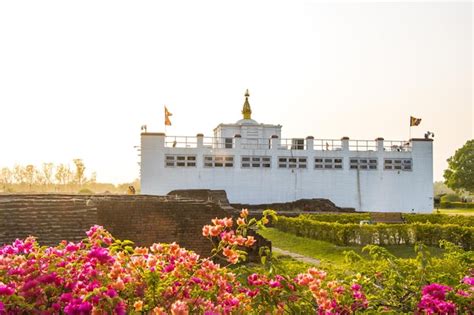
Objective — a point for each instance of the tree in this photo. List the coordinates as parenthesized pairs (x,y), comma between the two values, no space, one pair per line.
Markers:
(79,175)
(460,173)
(30,175)
(63,174)
(6,177)
(47,173)
(18,174)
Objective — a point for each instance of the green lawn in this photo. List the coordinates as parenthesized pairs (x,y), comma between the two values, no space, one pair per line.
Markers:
(455,211)
(326,251)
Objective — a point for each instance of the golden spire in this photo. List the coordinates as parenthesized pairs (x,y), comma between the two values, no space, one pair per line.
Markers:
(246,111)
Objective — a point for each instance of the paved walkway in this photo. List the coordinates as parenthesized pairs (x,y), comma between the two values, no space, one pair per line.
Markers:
(296,256)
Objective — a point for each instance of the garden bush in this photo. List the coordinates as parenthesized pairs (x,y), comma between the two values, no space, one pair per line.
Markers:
(450,198)
(453,205)
(408,217)
(423,285)
(341,218)
(380,234)
(85,191)
(440,219)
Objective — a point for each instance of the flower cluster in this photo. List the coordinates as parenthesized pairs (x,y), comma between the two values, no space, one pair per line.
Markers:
(433,300)
(332,297)
(441,299)
(230,241)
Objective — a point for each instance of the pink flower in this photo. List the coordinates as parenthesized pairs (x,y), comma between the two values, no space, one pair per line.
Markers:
(121,308)
(92,230)
(169,268)
(101,254)
(436,290)
(469,281)
(71,247)
(6,290)
(179,308)
(355,287)
(111,293)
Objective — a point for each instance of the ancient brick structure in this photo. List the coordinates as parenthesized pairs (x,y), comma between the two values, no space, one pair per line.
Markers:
(140,218)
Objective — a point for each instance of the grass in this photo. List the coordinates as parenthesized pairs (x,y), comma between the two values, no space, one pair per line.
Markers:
(455,211)
(329,252)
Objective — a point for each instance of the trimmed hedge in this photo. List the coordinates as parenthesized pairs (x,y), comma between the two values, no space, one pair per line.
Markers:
(460,205)
(340,218)
(380,234)
(408,217)
(439,219)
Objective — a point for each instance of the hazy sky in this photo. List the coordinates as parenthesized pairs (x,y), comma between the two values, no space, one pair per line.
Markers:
(79,78)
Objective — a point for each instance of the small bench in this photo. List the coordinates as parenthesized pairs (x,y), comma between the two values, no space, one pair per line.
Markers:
(387,217)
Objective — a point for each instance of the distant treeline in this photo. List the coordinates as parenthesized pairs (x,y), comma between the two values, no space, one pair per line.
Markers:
(56,178)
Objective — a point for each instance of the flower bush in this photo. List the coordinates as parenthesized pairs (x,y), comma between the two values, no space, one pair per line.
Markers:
(103,275)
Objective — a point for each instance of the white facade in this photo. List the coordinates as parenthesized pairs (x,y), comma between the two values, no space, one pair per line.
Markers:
(254,165)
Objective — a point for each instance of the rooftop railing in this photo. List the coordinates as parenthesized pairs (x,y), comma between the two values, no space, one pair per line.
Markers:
(287,144)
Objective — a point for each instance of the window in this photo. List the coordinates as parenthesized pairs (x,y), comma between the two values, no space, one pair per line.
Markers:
(328,163)
(218,161)
(398,164)
(228,143)
(180,160)
(292,162)
(297,144)
(363,163)
(256,161)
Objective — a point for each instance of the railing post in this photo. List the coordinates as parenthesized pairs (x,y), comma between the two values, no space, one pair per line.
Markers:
(379,142)
(199,140)
(345,143)
(310,143)
(275,142)
(237,141)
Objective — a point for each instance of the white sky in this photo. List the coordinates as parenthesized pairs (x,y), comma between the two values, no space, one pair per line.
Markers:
(79,78)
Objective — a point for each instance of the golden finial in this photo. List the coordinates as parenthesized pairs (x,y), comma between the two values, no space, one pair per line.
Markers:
(246,111)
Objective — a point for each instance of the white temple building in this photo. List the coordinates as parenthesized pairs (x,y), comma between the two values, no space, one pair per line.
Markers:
(255,165)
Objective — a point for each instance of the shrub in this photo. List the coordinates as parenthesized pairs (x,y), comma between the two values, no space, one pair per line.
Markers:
(440,219)
(85,191)
(461,205)
(341,218)
(408,217)
(450,198)
(380,234)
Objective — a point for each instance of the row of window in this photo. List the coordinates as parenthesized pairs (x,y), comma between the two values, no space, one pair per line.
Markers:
(287,162)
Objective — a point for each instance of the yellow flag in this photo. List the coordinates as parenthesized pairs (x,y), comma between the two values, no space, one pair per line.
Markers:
(414,121)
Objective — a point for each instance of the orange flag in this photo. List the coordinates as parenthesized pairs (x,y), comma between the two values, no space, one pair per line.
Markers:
(167,117)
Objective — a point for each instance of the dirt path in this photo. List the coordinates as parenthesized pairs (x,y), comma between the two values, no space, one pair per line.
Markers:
(296,256)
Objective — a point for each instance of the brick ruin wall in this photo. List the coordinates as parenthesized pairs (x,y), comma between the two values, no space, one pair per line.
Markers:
(141,219)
